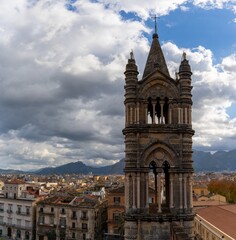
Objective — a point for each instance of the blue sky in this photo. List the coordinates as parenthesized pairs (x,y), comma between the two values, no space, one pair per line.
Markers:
(62,82)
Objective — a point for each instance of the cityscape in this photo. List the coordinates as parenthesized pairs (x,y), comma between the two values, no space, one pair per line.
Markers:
(117,120)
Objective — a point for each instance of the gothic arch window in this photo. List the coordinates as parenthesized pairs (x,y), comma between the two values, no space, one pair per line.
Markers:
(161,108)
(159,186)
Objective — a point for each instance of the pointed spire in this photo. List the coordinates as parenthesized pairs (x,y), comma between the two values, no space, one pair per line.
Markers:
(155,58)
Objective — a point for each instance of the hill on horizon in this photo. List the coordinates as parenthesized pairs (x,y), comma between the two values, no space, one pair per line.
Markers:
(202,161)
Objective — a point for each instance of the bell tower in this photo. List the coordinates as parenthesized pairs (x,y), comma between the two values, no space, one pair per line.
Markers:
(158,148)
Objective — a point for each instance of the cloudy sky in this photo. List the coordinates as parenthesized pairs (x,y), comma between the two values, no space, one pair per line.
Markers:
(62,83)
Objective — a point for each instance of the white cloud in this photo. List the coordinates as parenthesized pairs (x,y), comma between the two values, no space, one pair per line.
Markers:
(213,93)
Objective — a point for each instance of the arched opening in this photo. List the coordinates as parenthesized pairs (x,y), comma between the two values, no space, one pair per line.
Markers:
(18,234)
(159,184)
(9,232)
(157,110)
(166,110)
(150,111)
(27,235)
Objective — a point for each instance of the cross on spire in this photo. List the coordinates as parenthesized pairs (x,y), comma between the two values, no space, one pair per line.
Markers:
(155,19)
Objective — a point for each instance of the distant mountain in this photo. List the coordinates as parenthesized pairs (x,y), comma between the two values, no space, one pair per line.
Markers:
(202,161)
(11,171)
(218,161)
(81,168)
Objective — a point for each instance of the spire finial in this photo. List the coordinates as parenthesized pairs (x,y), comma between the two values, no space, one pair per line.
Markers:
(184,55)
(131,54)
(155,21)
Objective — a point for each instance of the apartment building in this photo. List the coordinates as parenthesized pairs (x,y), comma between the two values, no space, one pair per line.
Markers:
(17,210)
(70,218)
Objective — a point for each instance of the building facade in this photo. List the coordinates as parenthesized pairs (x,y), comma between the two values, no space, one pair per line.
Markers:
(116,209)
(17,211)
(71,218)
(158,142)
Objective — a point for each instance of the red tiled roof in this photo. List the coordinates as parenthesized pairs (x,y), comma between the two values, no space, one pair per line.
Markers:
(15,181)
(222,217)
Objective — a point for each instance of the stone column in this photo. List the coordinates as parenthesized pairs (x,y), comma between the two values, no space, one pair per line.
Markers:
(190,115)
(186,116)
(131,115)
(127,192)
(138,113)
(180,191)
(138,190)
(147,190)
(153,112)
(190,192)
(134,192)
(162,114)
(171,192)
(146,113)
(178,115)
(170,116)
(159,192)
(185,191)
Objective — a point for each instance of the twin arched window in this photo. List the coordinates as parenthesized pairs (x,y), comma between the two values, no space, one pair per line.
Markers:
(158,110)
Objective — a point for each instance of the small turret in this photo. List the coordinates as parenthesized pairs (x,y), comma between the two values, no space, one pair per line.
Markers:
(184,68)
(131,77)
(131,67)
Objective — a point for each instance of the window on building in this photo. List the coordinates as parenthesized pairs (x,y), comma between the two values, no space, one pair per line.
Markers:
(73,235)
(63,222)
(52,209)
(9,220)
(115,230)
(116,200)
(19,209)
(116,217)
(27,224)
(73,224)
(84,215)
(84,226)
(9,208)
(63,211)
(18,222)
(28,210)
(1,207)
(74,214)
(27,235)
(18,234)
(51,220)
(41,219)
(84,236)
(41,209)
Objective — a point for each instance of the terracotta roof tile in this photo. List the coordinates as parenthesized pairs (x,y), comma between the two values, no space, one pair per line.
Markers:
(222,217)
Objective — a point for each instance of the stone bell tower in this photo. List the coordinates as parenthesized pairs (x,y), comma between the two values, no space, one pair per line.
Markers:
(158,148)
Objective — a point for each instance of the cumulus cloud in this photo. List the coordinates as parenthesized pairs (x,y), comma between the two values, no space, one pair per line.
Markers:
(214,89)
(61,75)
